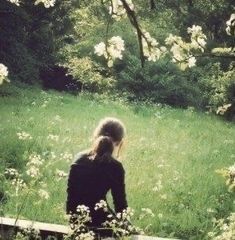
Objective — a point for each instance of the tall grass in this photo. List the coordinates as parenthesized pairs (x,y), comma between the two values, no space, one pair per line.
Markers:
(170,157)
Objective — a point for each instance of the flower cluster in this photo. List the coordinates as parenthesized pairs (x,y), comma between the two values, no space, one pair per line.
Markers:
(28,233)
(46,3)
(16,179)
(43,194)
(3,73)
(16,2)
(229,174)
(11,173)
(146,212)
(121,225)
(24,136)
(101,205)
(230,29)
(150,47)
(198,38)
(83,213)
(112,50)
(60,174)
(34,163)
(182,52)
(117,10)
(224,229)
(53,137)
(78,224)
(66,156)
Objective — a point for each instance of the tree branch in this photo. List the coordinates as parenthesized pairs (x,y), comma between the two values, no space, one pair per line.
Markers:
(133,20)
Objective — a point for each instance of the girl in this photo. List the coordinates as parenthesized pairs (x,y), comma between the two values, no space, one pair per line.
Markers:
(96,171)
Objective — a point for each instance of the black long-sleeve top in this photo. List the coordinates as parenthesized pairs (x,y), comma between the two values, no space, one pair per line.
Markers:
(90,180)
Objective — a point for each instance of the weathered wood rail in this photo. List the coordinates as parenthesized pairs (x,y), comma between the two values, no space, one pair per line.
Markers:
(9,225)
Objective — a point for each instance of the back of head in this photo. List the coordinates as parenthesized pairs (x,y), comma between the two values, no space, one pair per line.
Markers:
(103,147)
(111,127)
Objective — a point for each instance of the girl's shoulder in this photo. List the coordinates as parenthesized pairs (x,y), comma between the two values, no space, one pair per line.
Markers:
(81,157)
(114,163)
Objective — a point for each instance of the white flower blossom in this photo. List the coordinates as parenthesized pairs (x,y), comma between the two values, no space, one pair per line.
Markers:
(61,174)
(182,52)
(148,211)
(231,170)
(53,137)
(3,73)
(43,194)
(16,2)
(24,136)
(198,38)
(33,165)
(151,49)
(101,205)
(113,50)
(46,3)
(100,49)
(66,156)
(117,10)
(12,172)
(230,29)
(90,235)
(191,61)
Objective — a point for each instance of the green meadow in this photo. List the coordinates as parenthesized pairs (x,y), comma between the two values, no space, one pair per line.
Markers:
(170,157)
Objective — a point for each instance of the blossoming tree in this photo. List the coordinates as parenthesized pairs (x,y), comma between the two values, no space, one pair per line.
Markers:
(182,52)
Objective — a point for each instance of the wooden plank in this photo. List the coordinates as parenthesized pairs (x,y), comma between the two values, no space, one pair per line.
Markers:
(37,225)
(142,237)
(56,228)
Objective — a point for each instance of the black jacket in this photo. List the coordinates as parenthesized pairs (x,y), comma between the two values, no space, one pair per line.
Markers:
(90,180)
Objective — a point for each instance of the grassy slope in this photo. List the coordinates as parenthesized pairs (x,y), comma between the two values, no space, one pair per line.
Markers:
(170,156)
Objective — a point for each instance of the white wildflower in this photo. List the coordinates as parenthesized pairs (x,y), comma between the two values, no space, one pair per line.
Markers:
(101,205)
(34,163)
(163,196)
(12,172)
(66,156)
(210,210)
(61,174)
(53,137)
(86,236)
(43,194)
(46,3)
(33,171)
(231,170)
(147,212)
(24,136)
(158,186)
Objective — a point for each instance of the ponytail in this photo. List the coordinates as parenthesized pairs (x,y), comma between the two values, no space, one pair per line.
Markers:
(103,147)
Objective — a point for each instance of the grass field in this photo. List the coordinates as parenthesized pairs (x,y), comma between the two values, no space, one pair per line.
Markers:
(170,157)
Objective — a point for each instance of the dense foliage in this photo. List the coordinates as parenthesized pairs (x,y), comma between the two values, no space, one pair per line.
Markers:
(37,40)
(30,36)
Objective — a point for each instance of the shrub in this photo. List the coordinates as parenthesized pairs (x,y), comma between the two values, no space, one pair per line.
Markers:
(160,82)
